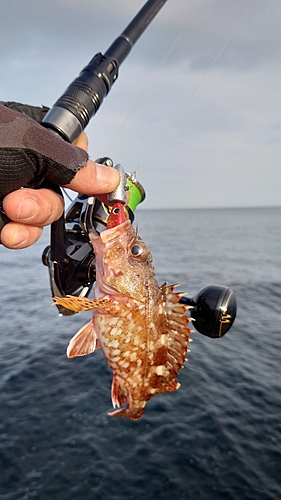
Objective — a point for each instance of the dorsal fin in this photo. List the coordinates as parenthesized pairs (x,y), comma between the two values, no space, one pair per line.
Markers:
(173,346)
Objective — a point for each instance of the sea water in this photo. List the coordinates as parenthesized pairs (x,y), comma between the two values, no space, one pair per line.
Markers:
(217,437)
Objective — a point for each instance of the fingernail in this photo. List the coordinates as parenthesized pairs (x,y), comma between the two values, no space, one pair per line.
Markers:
(20,237)
(107,175)
(27,209)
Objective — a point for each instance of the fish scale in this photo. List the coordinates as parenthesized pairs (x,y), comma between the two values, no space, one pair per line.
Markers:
(141,327)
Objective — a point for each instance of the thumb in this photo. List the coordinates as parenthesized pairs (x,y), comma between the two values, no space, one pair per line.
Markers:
(94,179)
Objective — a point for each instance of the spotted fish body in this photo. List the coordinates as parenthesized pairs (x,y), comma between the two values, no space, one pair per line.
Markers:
(140,326)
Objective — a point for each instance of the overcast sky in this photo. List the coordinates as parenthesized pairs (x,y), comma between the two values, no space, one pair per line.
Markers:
(197,105)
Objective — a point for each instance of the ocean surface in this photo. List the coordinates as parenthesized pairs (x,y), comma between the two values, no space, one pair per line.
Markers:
(217,437)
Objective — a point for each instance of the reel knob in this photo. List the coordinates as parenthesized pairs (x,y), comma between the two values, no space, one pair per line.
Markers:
(214,310)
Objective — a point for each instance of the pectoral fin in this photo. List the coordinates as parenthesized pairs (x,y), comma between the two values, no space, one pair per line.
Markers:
(84,342)
(79,304)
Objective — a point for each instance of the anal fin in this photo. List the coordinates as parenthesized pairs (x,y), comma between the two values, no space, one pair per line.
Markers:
(118,396)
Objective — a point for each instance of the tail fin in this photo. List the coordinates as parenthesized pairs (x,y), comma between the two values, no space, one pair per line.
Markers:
(132,413)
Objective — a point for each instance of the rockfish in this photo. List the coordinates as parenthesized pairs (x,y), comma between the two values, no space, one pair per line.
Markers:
(140,327)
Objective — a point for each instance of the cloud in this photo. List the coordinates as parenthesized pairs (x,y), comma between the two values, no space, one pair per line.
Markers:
(197,104)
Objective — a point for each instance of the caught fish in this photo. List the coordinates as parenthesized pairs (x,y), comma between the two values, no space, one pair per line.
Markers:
(141,327)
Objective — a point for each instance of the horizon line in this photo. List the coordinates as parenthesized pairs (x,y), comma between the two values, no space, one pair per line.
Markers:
(242,207)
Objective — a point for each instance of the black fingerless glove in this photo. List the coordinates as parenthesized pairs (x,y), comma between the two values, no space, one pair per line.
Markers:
(31,155)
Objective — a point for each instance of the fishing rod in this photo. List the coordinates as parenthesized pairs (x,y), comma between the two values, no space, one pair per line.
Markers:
(82,99)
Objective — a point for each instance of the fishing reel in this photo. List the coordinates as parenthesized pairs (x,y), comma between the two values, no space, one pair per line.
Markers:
(71,260)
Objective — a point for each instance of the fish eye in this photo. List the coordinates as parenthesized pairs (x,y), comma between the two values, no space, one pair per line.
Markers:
(116,210)
(136,250)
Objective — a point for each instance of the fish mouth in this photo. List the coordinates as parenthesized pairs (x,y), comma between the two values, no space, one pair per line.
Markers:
(104,268)
(111,234)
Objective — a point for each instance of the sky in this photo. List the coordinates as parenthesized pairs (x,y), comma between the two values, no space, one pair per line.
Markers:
(197,104)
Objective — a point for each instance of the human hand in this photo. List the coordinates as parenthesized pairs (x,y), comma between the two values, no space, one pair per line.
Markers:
(32,209)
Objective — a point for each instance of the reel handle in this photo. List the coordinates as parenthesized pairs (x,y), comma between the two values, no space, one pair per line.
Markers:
(214,310)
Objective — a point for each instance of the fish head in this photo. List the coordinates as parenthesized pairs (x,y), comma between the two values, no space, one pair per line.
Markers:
(123,262)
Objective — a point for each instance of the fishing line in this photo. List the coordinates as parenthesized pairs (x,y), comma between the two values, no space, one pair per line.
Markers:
(66,194)
(156,144)
(170,50)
